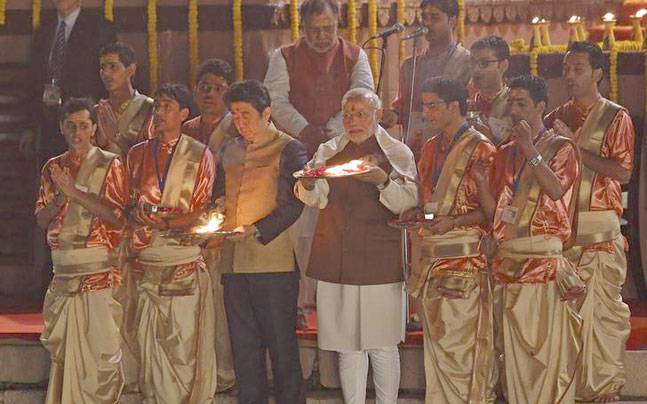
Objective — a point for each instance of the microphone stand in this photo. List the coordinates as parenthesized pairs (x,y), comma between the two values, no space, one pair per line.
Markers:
(405,139)
(382,58)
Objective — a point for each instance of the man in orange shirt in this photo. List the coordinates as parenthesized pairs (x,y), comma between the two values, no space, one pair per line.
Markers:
(536,174)
(605,135)
(80,204)
(449,272)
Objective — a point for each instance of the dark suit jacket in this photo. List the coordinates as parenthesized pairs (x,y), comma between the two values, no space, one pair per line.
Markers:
(80,76)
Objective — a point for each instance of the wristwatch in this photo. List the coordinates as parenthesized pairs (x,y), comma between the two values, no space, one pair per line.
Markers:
(535,161)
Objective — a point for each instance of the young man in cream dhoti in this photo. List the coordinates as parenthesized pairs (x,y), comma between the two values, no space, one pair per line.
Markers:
(605,135)
(213,127)
(356,256)
(80,204)
(535,177)
(175,309)
(449,273)
(125,117)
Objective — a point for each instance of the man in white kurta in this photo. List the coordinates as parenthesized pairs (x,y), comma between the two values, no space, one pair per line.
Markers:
(355,255)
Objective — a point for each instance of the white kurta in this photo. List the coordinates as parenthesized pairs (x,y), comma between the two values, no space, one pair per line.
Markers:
(277,81)
(359,317)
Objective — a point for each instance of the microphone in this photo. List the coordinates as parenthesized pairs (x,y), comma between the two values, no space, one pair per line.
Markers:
(415,34)
(395,29)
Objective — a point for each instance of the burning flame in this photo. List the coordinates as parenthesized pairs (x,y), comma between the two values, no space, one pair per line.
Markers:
(535,20)
(346,168)
(609,17)
(641,13)
(574,19)
(214,224)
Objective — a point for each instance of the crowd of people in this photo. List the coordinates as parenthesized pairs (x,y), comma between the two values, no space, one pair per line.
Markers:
(513,215)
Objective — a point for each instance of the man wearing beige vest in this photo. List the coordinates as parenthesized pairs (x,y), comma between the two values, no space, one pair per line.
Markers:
(125,117)
(171,178)
(356,256)
(605,135)
(307,80)
(80,204)
(260,275)
(212,127)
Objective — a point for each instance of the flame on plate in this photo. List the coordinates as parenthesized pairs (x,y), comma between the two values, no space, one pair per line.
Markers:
(609,17)
(575,19)
(346,168)
(214,224)
(641,13)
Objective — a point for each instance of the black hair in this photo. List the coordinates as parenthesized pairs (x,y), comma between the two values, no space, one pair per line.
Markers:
(178,92)
(494,43)
(216,67)
(449,7)
(77,105)
(249,91)
(596,57)
(535,85)
(315,7)
(448,90)
(124,51)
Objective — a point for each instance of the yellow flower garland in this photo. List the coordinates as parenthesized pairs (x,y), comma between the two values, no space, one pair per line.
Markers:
(108,10)
(237,13)
(461,21)
(35,13)
(372,31)
(400,16)
(194,53)
(294,19)
(534,67)
(3,7)
(352,21)
(613,74)
(153,63)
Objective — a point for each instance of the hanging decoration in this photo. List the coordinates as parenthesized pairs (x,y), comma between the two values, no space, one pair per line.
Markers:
(3,10)
(35,13)
(153,63)
(294,19)
(108,10)
(372,31)
(237,13)
(194,52)
(461,22)
(400,17)
(352,21)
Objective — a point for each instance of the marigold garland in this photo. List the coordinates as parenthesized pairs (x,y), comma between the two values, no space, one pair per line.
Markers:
(372,31)
(400,16)
(461,21)
(194,53)
(534,67)
(108,10)
(613,74)
(237,13)
(352,21)
(294,19)
(153,63)
(35,13)
(3,7)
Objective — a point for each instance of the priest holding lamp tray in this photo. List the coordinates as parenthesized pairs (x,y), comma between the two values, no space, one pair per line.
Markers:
(355,255)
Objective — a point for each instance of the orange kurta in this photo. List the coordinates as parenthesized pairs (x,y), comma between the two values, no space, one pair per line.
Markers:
(114,194)
(466,200)
(484,103)
(618,146)
(199,130)
(550,217)
(146,132)
(146,188)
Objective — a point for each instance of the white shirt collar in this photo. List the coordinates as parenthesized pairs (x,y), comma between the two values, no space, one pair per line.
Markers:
(70,20)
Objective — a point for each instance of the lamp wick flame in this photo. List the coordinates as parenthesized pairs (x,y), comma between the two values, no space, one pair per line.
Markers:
(215,222)
(641,13)
(574,19)
(609,17)
(535,20)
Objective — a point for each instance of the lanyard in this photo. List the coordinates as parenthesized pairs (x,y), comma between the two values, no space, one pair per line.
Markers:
(438,164)
(161,180)
(517,178)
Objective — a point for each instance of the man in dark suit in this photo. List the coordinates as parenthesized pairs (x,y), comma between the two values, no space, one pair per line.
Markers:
(64,63)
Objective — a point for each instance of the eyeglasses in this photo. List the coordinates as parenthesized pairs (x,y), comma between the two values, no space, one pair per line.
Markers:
(482,63)
(361,115)
(207,88)
(432,105)
(328,29)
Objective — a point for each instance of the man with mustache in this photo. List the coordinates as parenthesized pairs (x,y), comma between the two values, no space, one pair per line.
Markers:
(443,57)
(125,117)
(605,135)
(533,197)
(81,201)
(171,178)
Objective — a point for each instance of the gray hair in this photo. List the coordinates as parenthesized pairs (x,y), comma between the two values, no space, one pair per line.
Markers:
(362,93)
